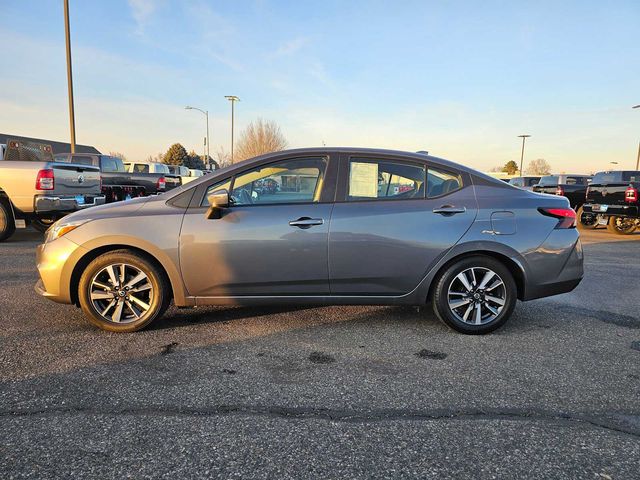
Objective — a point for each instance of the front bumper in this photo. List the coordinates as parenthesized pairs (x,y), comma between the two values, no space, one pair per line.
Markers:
(55,261)
(631,211)
(65,203)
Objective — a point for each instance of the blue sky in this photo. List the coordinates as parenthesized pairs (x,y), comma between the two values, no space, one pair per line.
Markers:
(460,79)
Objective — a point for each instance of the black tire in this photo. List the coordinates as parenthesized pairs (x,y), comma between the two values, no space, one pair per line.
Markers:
(587,220)
(622,225)
(447,279)
(157,297)
(7,225)
(43,223)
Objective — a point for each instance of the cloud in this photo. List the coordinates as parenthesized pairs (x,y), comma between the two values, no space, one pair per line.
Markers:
(142,10)
(290,47)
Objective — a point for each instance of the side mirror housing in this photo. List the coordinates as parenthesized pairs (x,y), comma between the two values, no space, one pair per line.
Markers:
(218,200)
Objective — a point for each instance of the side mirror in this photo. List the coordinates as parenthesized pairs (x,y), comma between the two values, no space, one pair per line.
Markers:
(217,201)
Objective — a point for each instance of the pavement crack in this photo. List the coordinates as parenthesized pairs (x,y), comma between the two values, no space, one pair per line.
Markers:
(624,423)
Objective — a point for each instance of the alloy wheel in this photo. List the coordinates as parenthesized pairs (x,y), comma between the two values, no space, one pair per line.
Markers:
(476,296)
(121,293)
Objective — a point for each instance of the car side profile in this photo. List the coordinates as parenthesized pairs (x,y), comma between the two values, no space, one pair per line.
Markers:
(317,227)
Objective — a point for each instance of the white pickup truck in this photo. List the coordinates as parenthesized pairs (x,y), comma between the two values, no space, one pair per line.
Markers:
(38,190)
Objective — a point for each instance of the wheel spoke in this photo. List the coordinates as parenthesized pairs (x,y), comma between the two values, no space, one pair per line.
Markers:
(122,277)
(101,295)
(497,300)
(459,303)
(117,313)
(141,276)
(463,279)
(133,309)
(146,286)
(108,307)
(137,301)
(478,316)
(494,286)
(112,275)
(101,285)
(485,280)
(465,317)
(491,309)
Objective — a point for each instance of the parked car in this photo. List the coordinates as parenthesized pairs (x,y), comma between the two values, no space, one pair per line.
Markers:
(186,174)
(613,195)
(38,190)
(117,183)
(466,242)
(172,181)
(524,182)
(571,186)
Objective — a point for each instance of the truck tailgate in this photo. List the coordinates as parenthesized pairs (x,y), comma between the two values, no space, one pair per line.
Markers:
(75,179)
(612,194)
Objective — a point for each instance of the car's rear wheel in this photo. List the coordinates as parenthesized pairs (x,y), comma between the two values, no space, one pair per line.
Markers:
(7,225)
(622,225)
(587,220)
(122,291)
(475,295)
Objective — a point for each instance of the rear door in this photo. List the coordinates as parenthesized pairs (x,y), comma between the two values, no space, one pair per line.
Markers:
(395,218)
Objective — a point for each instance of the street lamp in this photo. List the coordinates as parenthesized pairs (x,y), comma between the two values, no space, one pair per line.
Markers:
(524,137)
(206,113)
(638,158)
(72,118)
(233,99)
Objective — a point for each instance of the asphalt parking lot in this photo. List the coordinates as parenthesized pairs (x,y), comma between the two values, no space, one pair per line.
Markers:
(355,392)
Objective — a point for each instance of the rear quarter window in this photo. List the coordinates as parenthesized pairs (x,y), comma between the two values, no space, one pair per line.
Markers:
(549,180)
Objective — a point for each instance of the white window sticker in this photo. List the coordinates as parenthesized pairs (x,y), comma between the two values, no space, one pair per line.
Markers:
(363,180)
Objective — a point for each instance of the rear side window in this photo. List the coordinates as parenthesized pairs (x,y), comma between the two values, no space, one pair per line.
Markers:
(442,182)
(111,165)
(533,181)
(372,179)
(549,180)
(518,182)
(601,178)
(140,168)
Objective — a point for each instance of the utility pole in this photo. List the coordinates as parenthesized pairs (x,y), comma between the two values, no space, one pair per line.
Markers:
(638,157)
(72,119)
(524,137)
(233,99)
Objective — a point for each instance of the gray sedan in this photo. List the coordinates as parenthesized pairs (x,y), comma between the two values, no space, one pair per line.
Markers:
(318,226)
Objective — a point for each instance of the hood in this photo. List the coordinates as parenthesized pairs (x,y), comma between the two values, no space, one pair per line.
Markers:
(110,210)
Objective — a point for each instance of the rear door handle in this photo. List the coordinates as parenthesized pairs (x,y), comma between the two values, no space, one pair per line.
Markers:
(449,210)
(306,222)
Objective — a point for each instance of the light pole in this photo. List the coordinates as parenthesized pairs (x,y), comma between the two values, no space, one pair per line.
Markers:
(72,118)
(233,99)
(638,157)
(524,137)
(206,113)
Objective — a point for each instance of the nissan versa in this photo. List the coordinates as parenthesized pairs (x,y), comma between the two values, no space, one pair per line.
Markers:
(318,226)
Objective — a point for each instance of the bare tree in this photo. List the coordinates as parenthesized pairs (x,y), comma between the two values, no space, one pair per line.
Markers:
(260,137)
(223,157)
(538,167)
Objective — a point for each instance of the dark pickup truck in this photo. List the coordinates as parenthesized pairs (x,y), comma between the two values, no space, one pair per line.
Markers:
(574,187)
(614,196)
(117,183)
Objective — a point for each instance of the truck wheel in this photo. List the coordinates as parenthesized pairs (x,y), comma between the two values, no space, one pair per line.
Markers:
(7,225)
(622,225)
(475,295)
(42,223)
(587,220)
(121,291)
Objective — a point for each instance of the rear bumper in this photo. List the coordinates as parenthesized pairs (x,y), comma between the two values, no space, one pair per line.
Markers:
(614,210)
(65,203)
(556,267)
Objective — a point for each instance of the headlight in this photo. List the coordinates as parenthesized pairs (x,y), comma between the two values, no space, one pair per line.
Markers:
(61,228)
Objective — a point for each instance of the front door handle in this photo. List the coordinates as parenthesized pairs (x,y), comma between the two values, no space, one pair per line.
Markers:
(306,222)
(449,210)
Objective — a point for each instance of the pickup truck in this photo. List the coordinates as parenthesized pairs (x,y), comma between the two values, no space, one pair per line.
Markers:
(574,187)
(172,181)
(614,196)
(38,190)
(117,183)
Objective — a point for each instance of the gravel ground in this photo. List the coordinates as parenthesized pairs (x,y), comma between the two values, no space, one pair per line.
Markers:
(334,392)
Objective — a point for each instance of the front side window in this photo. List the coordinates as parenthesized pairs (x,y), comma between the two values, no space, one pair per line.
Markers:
(371,179)
(442,182)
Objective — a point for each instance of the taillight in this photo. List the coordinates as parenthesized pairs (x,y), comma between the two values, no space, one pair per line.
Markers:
(162,183)
(566,216)
(45,180)
(560,191)
(631,195)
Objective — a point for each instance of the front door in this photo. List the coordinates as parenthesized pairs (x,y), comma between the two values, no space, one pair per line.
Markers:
(396,219)
(271,241)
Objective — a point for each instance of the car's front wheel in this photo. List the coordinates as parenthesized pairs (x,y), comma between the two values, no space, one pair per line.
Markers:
(474,295)
(122,291)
